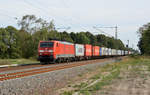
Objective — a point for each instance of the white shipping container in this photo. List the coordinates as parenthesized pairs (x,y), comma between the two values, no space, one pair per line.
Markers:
(109,51)
(116,52)
(106,53)
(103,50)
(113,52)
(79,50)
(122,52)
(119,52)
(126,52)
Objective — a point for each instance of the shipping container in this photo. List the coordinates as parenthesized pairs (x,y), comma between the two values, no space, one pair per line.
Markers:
(79,50)
(100,51)
(116,52)
(87,50)
(96,51)
(109,51)
(106,51)
(119,52)
(113,52)
(122,52)
(103,52)
(126,52)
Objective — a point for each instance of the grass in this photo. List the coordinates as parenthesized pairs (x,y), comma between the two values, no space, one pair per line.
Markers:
(135,66)
(68,93)
(105,80)
(81,85)
(17,61)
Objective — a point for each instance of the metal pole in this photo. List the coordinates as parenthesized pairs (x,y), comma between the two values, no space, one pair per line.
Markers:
(132,46)
(116,33)
(128,43)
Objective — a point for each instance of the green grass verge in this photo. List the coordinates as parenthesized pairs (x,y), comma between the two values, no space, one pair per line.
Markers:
(17,61)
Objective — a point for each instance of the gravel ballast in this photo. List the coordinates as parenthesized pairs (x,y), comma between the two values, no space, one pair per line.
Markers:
(45,83)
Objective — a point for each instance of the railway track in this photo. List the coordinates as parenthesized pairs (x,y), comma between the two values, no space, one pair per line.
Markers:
(35,71)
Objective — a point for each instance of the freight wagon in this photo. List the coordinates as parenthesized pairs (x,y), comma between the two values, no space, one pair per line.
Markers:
(118,52)
(96,50)
(109,52)
(113,52)
(79,51)
(87,51)
(103,51)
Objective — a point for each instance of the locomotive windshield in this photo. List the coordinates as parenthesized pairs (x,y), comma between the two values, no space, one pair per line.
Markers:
(46,44)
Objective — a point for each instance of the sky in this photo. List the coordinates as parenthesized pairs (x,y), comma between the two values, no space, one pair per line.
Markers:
(82,15)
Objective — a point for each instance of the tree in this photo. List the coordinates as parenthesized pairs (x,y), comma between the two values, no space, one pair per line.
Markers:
(32,30)
(92,38)
(13,44)
(9,46)
(144,43)
(66,37)
(3,45)
(102,40)
(81,38)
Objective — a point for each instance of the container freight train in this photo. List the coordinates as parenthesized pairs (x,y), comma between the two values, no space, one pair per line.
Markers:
(60,51)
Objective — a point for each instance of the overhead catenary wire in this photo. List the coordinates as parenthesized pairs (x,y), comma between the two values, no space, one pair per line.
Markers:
(11,18)
(44,10)
(65,28)
(116,30)
(102,31)
(38,9)
(62,18)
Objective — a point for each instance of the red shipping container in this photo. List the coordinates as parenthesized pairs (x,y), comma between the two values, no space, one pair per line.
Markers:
(87,50)
(96,51)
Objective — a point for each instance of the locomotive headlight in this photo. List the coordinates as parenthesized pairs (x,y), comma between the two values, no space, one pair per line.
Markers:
(41,51)
(50,50)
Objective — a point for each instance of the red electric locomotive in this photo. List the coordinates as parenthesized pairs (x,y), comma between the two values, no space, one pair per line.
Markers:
(52,51)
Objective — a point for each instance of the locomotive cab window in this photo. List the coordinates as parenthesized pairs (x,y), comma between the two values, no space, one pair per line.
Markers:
(46,44)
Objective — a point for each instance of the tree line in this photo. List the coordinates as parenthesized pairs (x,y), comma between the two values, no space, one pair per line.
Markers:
(23,42)
(144,42)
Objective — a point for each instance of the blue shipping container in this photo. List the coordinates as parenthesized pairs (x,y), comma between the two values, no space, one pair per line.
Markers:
(100,51)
